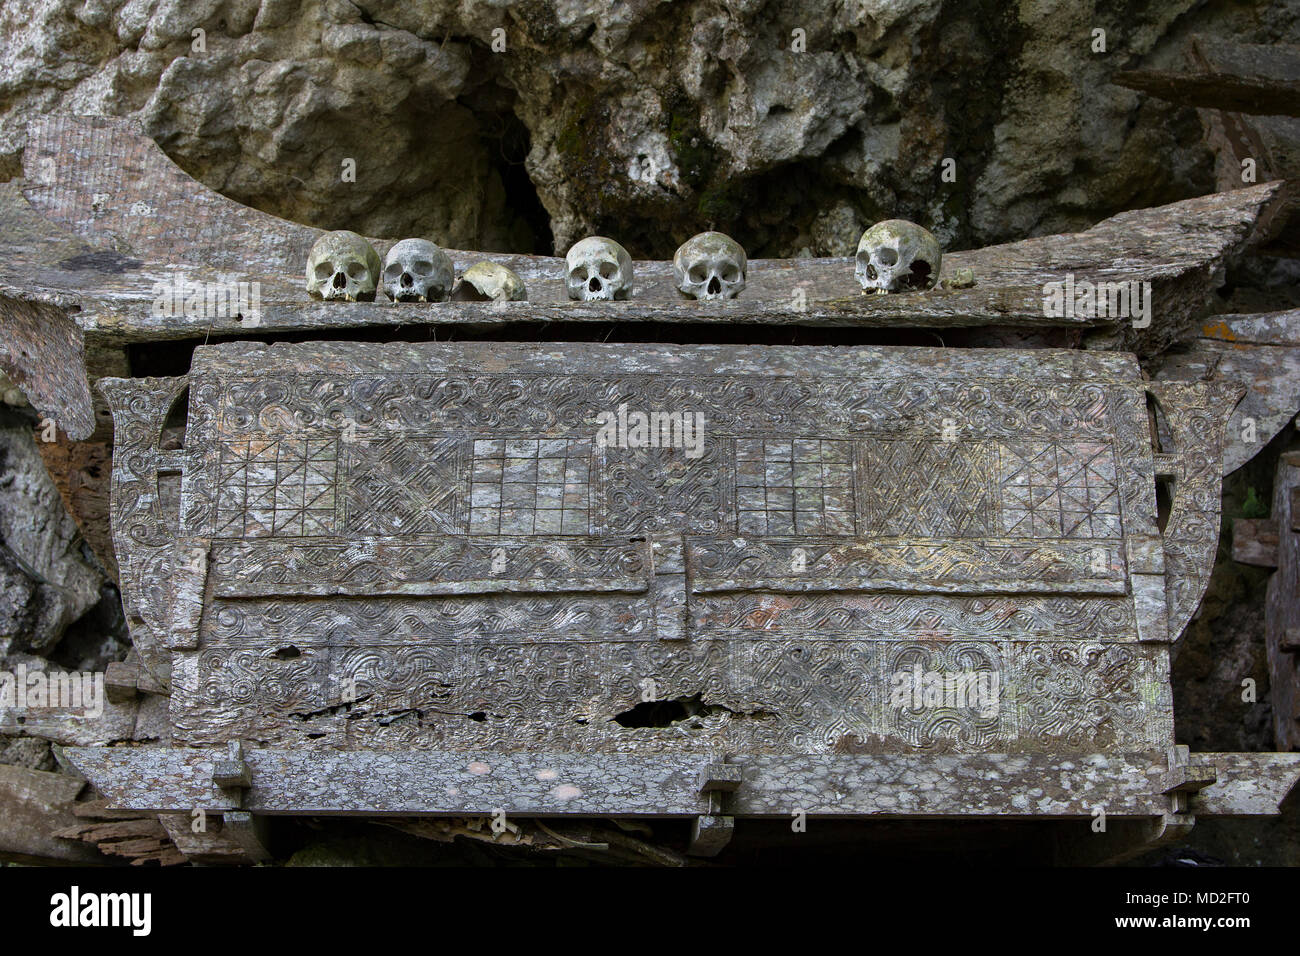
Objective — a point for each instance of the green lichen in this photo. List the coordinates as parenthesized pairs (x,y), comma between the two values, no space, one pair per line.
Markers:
(721,203)
(694,156)
(1252,507)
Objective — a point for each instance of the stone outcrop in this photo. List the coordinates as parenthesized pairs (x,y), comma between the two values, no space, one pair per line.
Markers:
(791,126)
(46,581)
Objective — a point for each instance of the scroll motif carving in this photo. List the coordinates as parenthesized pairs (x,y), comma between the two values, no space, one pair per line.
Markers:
(144,516)
(1196,413)
(436,547)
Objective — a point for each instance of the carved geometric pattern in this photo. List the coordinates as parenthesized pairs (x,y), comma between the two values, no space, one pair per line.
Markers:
(457,645)
(404,485)
(661,490)
(799,486)
(932,489)
(277,487)
(1059,490)
(530,486)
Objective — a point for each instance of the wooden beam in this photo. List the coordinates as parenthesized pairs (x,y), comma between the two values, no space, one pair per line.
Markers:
(1254,542)
(1247,784)
(102,182)
(1227,75)
(34,805)
(433,783)
(1282,608)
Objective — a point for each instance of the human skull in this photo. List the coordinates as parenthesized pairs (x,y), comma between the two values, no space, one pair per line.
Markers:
(489,281)
(897,256)
(342,266)
(599,268)
(710,266)
(415,270)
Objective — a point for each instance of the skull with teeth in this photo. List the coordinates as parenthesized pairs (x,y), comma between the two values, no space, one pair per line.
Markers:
(710,266)
(415,270)
(897,256)
(489,282)
(342,266)
(598,268)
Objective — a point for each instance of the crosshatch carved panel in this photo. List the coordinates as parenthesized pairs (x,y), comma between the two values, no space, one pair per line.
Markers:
(675,549)
(929,488)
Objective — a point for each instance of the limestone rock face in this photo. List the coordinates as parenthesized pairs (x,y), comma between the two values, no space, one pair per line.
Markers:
(525,126)
(45,581)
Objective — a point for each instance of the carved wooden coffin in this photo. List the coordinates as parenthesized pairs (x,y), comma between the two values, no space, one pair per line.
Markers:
(453,547)
(667,580)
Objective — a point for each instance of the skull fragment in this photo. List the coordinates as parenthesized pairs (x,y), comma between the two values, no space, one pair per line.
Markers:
(897,256)
(415,270)
(489,282)
(342,266)
(598,268)
(710,266)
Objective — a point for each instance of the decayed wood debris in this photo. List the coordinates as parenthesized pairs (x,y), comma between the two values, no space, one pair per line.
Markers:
(137,837)
(35,807)
(616,843)
(80,471)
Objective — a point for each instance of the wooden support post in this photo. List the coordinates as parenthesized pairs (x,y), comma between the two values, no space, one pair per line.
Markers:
(249,832)
(1282,606)
(120,681)
(233,774)
(712,831)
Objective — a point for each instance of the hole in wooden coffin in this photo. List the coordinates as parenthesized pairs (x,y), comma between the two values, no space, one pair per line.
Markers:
(1164,500)
(172,437)
(1161,437)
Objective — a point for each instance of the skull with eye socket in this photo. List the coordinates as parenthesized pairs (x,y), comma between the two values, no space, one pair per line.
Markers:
(342,267)
(710,266)
(415,270)
(598,269)
(897,256)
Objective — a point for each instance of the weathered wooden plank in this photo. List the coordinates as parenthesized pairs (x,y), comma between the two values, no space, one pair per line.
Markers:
(551,784)
(81,471)
(1248,148)
(91,721)
(145,499)
(210,844)
(1282,608)
(1226,75)
(416,782)
(1260,351)
(106,183)
(1267,328)
(34,805)
(1255,542)
(1195,414)
(1248,784)
(1002,785)
(43,351)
